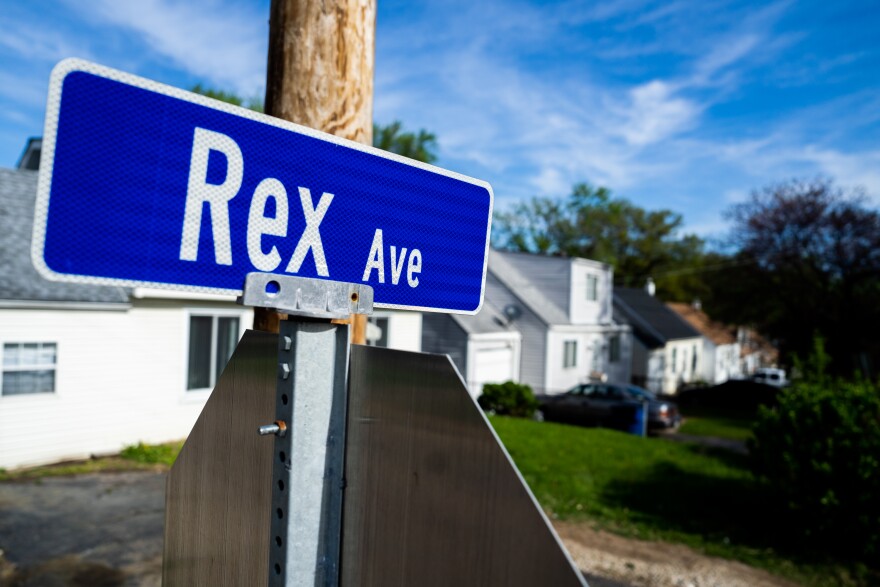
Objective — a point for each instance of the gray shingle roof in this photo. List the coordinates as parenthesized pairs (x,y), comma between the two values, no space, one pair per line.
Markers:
(487,320)
(652,321)
(507,267)
(18,279)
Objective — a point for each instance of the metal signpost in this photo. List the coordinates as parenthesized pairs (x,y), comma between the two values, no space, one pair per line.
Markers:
(142,184)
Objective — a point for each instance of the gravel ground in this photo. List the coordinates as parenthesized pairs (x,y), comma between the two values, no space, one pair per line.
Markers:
(639,563)
(105,530)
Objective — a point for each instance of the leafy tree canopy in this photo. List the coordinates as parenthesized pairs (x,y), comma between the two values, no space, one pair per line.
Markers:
(421,146)
(254,103)
(809,264)
(594,224)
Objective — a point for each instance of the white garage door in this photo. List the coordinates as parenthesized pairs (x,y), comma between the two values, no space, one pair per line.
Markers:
(492,365)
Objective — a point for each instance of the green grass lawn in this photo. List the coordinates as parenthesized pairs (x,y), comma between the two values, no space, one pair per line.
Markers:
(718,425)
(661,490)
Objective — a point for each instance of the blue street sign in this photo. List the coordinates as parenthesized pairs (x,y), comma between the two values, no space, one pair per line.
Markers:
(142,184)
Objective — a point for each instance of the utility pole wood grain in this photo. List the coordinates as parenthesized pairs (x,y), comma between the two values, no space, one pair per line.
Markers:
(320,75)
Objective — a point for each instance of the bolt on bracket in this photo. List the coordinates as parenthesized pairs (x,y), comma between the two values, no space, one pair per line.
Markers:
(303,296)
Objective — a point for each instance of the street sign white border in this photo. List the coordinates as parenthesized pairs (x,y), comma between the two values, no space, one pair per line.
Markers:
(47,162)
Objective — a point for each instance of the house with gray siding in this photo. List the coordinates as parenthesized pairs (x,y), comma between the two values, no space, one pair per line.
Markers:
(557,311)
(485,347)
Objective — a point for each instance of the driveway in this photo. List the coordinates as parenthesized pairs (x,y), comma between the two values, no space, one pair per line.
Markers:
(101,530)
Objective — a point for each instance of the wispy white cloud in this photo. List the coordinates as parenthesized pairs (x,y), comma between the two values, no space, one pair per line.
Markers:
(709,230)
(223,42)
(23,90)
(655,113)
(657,100)
(30,42)
(860,169)
(735,196)
(724,54)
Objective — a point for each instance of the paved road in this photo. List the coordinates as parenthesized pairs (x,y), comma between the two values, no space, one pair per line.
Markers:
(97,530)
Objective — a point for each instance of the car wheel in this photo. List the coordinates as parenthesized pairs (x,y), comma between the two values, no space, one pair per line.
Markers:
(538,416)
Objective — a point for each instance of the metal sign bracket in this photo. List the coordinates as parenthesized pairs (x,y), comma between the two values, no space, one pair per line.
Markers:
(302,296)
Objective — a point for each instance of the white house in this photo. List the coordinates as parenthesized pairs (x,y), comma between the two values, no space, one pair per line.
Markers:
(89,369)
(721,349)
(757,351)
(546,322)
(667,351)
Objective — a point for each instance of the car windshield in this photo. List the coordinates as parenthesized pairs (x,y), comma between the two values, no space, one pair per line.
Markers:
(585,389)
(638,391)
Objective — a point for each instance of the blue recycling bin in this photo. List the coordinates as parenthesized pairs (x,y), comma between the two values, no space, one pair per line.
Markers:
(639,423)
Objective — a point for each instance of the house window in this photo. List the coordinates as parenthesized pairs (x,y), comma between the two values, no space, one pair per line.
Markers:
(29,367)
(674,359)
(211,342)
(614,349)
(569,358)
(694,360)
(377,331)
(592,287)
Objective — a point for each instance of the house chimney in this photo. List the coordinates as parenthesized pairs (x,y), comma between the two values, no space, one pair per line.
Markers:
(697,304)
(650,287)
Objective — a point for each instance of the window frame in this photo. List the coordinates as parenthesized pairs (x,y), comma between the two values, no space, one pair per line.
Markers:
(569,344)
(385,332)
(592,287)
(215,314)
(614,348)
(53,367)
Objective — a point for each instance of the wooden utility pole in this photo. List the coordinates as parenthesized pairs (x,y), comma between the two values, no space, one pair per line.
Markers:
(320,75)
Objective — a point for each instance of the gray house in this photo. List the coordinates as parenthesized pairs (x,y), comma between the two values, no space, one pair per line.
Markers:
(553,314)
(667,351)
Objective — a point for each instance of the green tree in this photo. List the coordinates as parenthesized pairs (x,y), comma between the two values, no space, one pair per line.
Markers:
(594,224)
(421,146)
(254,103)
(819,451)
(810,264)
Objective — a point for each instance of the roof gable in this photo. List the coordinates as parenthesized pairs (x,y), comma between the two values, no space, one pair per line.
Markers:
(19,279)
(542,294)
(651,319)
(717,332)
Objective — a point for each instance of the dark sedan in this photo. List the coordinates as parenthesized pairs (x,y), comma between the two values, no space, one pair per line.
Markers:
(607,405)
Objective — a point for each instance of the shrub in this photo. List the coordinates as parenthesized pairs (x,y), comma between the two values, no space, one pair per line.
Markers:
(508,399)
(152,453)
(819,449)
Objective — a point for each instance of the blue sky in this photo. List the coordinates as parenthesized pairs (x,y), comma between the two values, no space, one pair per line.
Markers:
(679,105)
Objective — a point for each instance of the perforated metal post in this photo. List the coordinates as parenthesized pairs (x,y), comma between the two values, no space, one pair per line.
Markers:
(309,427)
(308,470)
